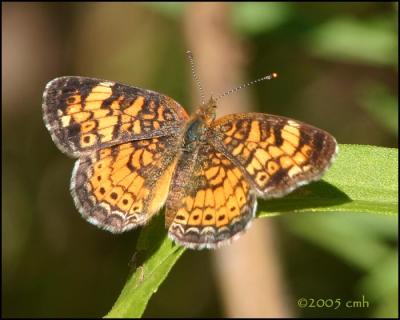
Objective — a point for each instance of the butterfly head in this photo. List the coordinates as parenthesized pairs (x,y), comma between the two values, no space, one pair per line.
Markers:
(207,111)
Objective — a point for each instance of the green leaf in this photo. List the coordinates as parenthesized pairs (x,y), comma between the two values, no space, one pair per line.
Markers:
(169,9)
(382,285)
(369,235)
(257,17)
(359,41)
(363,179)
(155,255)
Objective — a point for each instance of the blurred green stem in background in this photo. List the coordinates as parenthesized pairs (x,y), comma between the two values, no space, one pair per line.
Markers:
(381,105)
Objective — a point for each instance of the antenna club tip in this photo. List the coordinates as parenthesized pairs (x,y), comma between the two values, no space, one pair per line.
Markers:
(274,75)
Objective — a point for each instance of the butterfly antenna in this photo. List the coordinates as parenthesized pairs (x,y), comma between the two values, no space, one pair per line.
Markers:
(267,77)
(190,56)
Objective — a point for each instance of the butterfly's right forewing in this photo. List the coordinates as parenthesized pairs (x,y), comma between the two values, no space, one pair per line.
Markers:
(276,154)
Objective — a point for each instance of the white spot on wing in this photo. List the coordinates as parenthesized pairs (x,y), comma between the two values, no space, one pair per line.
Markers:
(293,123)
(106,83)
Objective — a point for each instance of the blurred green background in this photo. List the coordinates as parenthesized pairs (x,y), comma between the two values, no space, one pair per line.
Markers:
(338,70)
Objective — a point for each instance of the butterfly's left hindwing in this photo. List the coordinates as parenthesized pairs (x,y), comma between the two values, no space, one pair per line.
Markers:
(121,187)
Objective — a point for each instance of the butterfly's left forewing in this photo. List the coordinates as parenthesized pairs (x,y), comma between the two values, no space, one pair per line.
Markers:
(86,114)
(121,187)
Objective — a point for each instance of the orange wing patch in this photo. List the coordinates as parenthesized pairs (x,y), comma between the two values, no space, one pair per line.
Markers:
(119,188)
(213,206)
(86,114)
(276,154)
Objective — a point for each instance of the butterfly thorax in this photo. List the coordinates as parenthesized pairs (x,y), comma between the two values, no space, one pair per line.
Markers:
(198,124)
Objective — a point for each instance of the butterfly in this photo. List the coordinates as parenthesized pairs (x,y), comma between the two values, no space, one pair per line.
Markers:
(138,150)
